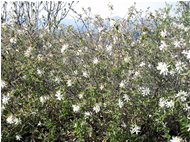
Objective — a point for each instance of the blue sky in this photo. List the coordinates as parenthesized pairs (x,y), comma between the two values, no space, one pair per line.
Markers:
(120,6)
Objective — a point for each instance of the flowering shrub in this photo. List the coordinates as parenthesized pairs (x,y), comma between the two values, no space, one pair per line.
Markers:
(129,81)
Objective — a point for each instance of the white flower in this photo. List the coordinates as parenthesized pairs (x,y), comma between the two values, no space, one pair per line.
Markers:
(162,102)
(163,45)
(95,61)
(109,49)
(69,83)
(27,53)
(49,45)
(76,108)
(40,57)
(13,40)
(101,87)
(127,59)
(120,103)
(87,113)
(137,73)
(186,107)
(6,99)
(177,44)
(179,66)
(96,108)
(123,125)
(145,91)
(10,119)
(187,54)
(13,120)
(39,123)
(188,126)
(39,72)
(135,129)
(176,139)
(181,26)
(81,96)
(163,33)
(41,36)
(59,95)
(2,108)
(85,74)
(76,72)
(182,95)
(142,64)
(170,104)
(163,67)
(3,84)
(18,137)
(149,65)
(57,79)
(166,103)
(122,84)
(172,72)
(17,121)
(126,97)
(43,99)
(3,25)
(64,47)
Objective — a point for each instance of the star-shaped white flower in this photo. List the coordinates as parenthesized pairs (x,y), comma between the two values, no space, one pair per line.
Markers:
(145,91)
(69,83)
(109,48)
(180,66)
(5,99)
(64,47)
(96,108)
(40,72)
(81,96)
(87,113)
(162,102)
(163,68)
(85,74)
(59,95)
(176,139)
(75,72)
(163,33)
(163,45)
(76,108)
(177,44)
(10,119)
(187,53)
(95,61)
(43,99)
(120,103)
(122,84)
(57,79)
(18,137)
(13,40)
(135,129)
(142,64)
(126,97)
(101,87)
(188,126)
(3,84)
(170,104)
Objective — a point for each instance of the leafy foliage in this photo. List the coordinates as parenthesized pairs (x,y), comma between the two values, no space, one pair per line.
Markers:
(129,81)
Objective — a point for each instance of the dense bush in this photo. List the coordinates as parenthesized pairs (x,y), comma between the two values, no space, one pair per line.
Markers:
(129,81)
